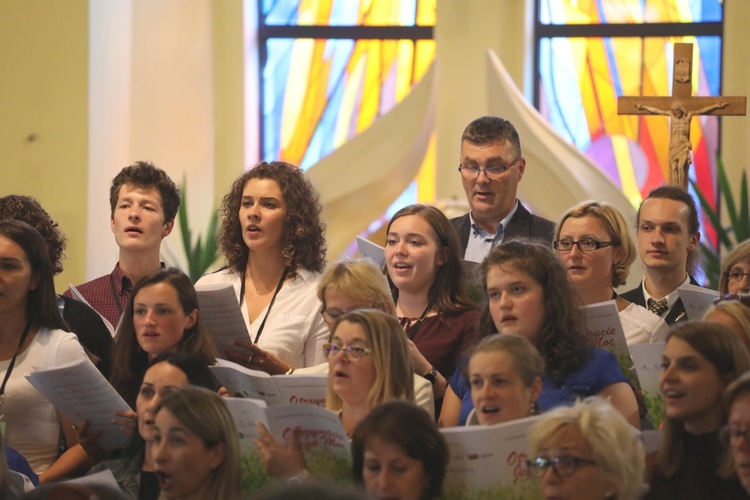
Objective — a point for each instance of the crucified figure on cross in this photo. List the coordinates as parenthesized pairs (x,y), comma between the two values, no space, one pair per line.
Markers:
(680,149)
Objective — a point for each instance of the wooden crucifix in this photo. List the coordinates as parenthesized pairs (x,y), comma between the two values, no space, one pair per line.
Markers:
(680,107)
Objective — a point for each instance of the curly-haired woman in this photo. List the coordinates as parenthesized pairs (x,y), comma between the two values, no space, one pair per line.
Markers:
(273,240)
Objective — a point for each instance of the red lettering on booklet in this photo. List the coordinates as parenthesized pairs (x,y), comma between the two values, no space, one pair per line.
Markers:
(601,340)
(518,462)
(311,438)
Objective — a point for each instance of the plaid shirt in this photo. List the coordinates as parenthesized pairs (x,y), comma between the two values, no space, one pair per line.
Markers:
(108,294)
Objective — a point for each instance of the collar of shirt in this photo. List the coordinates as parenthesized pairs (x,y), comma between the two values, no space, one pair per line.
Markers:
(671,298)
(481,242)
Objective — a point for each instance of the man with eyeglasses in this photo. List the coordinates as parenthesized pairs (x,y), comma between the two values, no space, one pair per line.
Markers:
(668,235)
(491,166)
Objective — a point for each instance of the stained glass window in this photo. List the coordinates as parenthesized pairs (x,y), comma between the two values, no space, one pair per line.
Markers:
(332,67)
(589,52)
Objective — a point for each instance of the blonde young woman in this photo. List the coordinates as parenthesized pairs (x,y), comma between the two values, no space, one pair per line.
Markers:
(593,242)
(369,364)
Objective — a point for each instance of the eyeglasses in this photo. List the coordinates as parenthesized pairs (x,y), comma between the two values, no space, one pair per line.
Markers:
(735,275)
(731,435)
(564,466)
(491,173)
(587,245)
(355,353)
(741,298)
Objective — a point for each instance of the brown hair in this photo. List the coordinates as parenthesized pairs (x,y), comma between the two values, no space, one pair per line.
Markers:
(491,130)
(304,242)
(145,175)
(738,254)
(721,347)
(129,362)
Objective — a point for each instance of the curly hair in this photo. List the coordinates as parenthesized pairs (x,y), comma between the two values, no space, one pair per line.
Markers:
(447,291)
(304,244)
(615,445)
(614,224)
(129,361)
(144,174)
(28,210)
(562,341)
(490,130)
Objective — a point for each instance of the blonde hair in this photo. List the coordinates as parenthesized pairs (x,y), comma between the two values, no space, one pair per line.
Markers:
(733,391)
(738,254)
(527,361)
(735,309)
(360,280)
(206,414)
(615,444)
(394,371)
(614,224)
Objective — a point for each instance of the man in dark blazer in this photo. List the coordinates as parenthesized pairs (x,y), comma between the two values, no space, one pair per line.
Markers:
(668,235)
(491,166)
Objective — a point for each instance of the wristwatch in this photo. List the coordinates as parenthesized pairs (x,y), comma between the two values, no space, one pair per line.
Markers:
(431,375)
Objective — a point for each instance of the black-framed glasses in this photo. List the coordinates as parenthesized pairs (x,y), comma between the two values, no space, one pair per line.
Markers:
(744,299)
(735,275)
(489,172)
(564,466)
(354,352)
(585,245)
(730,434)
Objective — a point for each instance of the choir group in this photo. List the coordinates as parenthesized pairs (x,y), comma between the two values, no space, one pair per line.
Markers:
(406,347)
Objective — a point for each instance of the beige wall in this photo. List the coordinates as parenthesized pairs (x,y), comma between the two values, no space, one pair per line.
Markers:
(43,112)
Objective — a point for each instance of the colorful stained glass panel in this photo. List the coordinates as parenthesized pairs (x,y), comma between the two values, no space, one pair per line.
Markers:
(629,11)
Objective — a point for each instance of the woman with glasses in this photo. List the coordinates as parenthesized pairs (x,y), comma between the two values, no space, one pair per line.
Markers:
(369,364)
(700,360)
(593,242)
(530,295)
(422,260)
(273,239)
(587,451)
(736,434)
(735,271)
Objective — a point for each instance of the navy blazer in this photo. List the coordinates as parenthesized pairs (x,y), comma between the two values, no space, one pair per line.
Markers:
(677,313)
(523,224)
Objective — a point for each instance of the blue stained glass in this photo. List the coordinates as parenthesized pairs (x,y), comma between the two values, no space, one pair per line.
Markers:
(710,50)
(344,13)
(275,75)
(338,52)
(280,12)
(553,11)
(562,94)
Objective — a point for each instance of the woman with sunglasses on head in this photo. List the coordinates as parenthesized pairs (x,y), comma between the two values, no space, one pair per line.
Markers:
(422,258)
(587,451)
(369,364)
(529,294)
(735,271)
(273,239)
(700,360)
(593,242)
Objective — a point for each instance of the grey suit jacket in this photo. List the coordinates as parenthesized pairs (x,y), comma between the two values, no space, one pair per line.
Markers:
(522,225)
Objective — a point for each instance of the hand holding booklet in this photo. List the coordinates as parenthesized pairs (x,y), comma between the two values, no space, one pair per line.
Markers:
(274,390)
(322,438)
(80,392)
